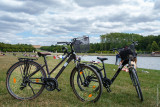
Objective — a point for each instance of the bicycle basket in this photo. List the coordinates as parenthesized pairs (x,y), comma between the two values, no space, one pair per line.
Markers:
(81,44)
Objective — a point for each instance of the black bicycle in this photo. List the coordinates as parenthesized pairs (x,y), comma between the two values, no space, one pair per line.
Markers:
(128,55)
(26,79)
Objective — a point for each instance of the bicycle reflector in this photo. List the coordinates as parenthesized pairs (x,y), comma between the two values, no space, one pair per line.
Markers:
(81,72)
(37,80)
(14,80)
(94,86)
(90,95)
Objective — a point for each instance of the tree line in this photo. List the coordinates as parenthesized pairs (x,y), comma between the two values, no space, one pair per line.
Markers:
(52,48)
(16,48)
(109,41)
(146,44)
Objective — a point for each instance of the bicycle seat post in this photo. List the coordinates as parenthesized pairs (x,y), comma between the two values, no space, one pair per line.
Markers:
(104,70)
(45,61)
(102,60)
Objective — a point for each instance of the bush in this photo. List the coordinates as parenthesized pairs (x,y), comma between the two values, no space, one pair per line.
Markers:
(105,52)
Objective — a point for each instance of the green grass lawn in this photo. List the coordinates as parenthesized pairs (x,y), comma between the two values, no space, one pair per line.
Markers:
(123,93)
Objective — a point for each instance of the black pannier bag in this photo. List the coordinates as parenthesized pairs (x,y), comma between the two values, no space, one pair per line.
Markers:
(125,52)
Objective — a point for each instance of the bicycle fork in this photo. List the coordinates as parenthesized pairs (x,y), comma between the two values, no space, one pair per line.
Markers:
(80,71)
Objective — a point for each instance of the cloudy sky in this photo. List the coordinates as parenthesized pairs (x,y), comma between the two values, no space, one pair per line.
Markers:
(43,22)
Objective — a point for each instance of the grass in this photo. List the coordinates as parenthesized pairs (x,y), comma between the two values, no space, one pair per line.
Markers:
(123,93)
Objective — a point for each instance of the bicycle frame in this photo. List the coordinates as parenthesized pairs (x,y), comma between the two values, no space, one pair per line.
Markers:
(118,71)
(70,57)
(115,75)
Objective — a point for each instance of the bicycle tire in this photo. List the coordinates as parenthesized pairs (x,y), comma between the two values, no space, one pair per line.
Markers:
(88,93)
(15,79)
(98,70)
(135,81)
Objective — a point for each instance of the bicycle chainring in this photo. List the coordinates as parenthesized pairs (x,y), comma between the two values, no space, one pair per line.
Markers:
(50,84)
(107,82)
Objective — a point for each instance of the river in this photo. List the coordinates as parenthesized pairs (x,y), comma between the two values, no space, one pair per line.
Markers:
(142,62)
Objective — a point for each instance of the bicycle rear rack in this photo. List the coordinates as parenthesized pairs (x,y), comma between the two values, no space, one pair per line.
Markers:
(26,59)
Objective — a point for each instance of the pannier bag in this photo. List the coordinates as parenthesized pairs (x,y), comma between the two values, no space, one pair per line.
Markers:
(125,52)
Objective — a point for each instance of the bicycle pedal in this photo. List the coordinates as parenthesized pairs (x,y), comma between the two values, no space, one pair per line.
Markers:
(108,90)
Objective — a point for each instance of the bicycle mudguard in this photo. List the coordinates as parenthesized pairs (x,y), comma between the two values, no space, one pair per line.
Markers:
(97,69)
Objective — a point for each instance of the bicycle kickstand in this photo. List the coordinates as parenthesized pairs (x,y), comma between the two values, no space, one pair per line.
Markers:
(58,89)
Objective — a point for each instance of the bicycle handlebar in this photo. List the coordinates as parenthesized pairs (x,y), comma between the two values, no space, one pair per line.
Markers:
(65,50)
(133,44)
(67,43)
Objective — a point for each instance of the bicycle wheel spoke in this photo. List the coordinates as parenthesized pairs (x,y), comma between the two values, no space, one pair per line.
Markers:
(88,72)
(31,88)
(21,69)
(29,70)
(85,73)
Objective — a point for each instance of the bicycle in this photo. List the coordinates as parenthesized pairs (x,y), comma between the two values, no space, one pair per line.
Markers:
(127,55)
(26,79)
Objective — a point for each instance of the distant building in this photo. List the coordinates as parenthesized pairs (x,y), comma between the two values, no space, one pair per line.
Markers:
(36,46)
(157,53)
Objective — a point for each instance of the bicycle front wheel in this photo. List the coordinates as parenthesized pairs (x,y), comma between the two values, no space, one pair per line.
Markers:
(19,85)
(135,81)
(86,84)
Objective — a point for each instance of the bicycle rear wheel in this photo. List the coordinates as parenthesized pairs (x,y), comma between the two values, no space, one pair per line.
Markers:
(86,84)
(135,81)
(19,85)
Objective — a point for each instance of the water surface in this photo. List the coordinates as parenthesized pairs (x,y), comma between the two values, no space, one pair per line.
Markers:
(142,62)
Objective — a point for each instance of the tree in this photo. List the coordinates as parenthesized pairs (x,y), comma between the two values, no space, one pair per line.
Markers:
(159,44)
(155,46)
(149,48)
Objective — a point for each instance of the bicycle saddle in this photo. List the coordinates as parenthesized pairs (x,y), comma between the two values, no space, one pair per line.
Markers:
(43,54)
(102,59)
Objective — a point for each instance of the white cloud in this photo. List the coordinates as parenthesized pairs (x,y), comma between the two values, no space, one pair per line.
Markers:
(54,20)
